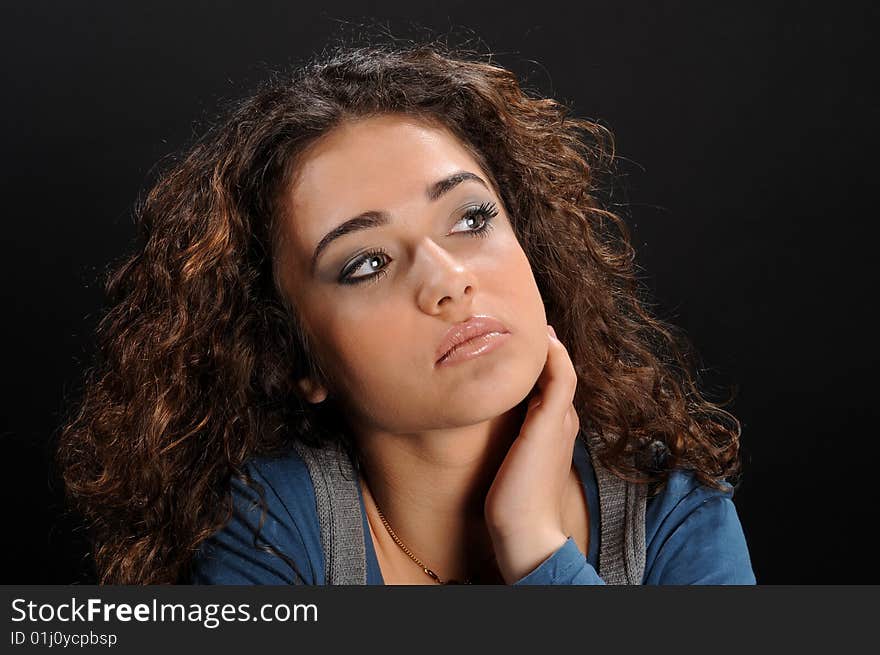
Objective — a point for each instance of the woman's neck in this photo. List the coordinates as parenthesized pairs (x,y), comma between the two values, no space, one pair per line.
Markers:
(431,486)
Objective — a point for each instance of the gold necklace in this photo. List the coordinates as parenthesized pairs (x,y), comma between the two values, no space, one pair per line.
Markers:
(406,550)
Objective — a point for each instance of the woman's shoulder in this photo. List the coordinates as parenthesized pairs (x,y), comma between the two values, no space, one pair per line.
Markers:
(273,536)
(287,490)
(684,483)
(681,495)
(284,474)
(693,534)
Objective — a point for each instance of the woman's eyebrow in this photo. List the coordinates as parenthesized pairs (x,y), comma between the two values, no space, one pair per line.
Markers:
(450,182)
(369,219)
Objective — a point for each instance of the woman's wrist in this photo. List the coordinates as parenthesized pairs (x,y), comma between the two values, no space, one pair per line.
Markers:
(519,555)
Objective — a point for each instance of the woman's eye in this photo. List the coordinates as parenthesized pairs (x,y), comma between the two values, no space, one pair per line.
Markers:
(368,267)
(478,220)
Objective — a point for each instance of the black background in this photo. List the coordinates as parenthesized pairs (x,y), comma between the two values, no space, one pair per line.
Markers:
(748,145)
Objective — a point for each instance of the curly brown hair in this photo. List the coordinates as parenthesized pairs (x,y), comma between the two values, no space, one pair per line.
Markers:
(198,351)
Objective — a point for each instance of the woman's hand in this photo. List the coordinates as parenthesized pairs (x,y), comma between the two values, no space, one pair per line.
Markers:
(523,508)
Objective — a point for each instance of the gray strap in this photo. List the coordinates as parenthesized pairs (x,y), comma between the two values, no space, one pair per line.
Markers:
(339,513)
(622,543)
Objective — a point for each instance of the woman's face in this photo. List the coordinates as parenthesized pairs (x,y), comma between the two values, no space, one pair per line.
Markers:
(422,267)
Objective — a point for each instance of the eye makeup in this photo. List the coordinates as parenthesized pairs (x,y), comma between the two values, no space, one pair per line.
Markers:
(483,213)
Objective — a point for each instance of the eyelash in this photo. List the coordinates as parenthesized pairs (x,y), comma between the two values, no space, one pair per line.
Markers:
(487,211)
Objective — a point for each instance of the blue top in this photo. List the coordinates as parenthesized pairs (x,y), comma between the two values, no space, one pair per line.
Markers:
(693,534)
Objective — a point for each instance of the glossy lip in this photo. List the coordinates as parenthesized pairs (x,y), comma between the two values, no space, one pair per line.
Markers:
(474,348)
(460,333)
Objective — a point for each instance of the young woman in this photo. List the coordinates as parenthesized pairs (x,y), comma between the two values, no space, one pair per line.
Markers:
(398,256)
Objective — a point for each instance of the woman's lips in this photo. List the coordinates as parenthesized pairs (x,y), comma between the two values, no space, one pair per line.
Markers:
(474,326)
(474,347)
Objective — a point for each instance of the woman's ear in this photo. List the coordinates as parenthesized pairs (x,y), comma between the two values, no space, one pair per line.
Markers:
(314,392)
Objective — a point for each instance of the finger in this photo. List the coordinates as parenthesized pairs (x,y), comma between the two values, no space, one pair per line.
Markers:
(572,421)
(557,381)
(549,418)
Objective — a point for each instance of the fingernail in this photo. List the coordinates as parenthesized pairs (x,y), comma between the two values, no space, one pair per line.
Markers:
(552,331)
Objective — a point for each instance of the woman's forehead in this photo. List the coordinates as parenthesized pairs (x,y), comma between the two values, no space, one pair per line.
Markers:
(382,163)
(372,157)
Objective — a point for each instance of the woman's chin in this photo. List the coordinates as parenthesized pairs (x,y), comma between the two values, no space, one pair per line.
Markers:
(478,408)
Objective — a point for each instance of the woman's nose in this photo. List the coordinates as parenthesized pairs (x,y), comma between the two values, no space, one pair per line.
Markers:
(447,285)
